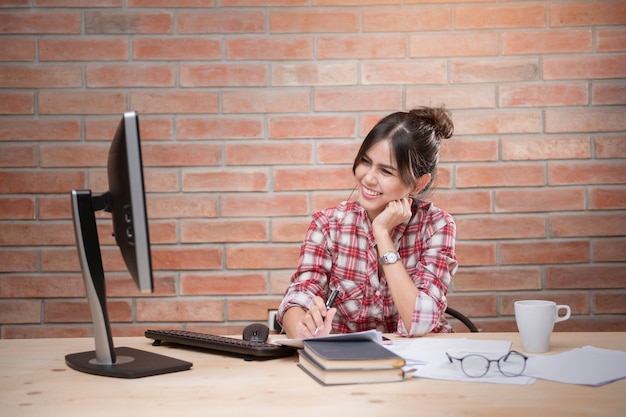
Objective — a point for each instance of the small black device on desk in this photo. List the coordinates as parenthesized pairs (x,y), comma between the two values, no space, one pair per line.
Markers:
(253,346)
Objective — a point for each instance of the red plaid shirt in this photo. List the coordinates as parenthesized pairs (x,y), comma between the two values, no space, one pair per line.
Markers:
(339,251)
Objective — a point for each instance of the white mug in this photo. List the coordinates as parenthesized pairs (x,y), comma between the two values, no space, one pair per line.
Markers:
(535,320)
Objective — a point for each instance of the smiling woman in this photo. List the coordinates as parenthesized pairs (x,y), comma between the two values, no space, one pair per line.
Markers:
(390,254)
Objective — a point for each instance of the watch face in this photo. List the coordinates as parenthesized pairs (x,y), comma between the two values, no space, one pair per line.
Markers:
(390,257)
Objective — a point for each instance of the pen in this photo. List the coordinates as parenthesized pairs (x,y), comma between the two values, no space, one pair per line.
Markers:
(331,299)
(329,304)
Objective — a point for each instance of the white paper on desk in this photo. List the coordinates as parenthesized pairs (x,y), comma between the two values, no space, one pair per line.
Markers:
(583,366)
(424,350)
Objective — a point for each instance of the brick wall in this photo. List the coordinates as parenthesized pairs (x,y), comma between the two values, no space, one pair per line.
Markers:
(251,112)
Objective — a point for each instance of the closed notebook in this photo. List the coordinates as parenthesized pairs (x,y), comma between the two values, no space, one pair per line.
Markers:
(348,376)
(363,354)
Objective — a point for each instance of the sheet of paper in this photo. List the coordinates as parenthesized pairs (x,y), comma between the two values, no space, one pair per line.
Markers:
(426,350)
(583,366)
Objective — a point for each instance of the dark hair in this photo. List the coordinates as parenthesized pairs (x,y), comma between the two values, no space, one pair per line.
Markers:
(415,141)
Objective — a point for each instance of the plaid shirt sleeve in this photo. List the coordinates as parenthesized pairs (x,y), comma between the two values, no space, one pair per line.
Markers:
(431,265)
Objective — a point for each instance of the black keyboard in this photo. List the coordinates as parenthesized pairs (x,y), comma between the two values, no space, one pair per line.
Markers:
(221,344)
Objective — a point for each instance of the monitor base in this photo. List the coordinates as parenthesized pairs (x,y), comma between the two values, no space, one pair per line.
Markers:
(130,363)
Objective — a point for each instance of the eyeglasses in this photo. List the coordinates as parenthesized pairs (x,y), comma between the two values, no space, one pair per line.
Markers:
(475,365)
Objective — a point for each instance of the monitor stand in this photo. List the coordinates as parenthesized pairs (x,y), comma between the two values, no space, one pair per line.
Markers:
(106,360)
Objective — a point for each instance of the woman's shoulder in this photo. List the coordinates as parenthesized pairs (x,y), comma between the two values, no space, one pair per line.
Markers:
(427,211)
(346,211)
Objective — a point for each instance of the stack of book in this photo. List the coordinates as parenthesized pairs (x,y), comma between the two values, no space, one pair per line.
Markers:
(334,361)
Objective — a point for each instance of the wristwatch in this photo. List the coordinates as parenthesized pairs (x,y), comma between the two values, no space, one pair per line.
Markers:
(390,258)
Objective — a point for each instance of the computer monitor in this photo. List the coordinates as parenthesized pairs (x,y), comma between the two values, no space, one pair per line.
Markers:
(126,202)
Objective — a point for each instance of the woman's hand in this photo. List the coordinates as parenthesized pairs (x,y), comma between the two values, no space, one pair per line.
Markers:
(316,322)
(395,212)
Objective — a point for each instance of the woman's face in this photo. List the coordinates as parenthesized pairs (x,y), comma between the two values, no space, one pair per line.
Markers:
(378,180)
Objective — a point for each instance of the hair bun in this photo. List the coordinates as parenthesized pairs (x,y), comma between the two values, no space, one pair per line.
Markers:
(439,120)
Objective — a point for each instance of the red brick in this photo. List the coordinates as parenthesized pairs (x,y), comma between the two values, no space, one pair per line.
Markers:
(468,150)
(361,47)
(27,182)
(610,146)
(358,99)
(265,101)
(78,311)
(476,254)
(180,310)
(588,13)
(585,120)
(186,257)
(588,224)
(210,127)
(188,102)
(288,127)
(544,252)
(314,74)
(130,75)
(609,302)
(223,75)
(128,22)
(262,256)
(502,279)
(16,103)
(337,152)
(17,208)
(462,202)
(490,122)
(37,22)
(223,284)
(183,154)
(609,249)
(20,311)
(586,173)
(32,332)
(313,21)
(250,308)
(270,48)
(540,200)
(283,153)
(584,67)
(550,42)
(220,231)
(501,16)
(412,73)
(290,179)
(182,206)
(73,155)
(226,180)
(176,49)
(509,175)
(500,227)
(585,277)
(452,96)
(454,45)
(272,205)
(218,21)
(406,19)
(607,93)
(546,148)
(21,156)
(83,49)
(603,198)
(18,260)
(289,230)
(484,305)
(611,40)
(543,95)
(17,49)
(494,70)
(41,76)
(96,102)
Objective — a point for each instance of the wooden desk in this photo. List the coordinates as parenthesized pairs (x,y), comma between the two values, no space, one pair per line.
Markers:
(34,381)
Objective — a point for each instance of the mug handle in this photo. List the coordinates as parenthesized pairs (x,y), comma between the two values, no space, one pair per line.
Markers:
(568,313)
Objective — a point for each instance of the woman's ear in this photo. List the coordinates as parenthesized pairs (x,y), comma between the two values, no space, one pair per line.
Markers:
(421,183)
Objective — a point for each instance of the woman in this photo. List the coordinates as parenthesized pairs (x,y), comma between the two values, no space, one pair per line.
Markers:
(390,254)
